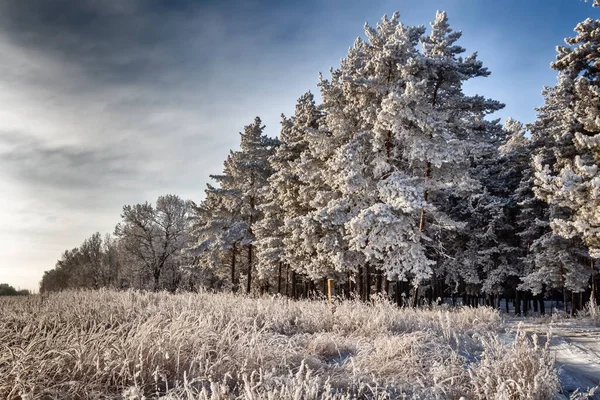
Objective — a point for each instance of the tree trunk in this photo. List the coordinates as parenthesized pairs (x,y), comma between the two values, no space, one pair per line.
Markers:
(367,282)
(349,285)
(517,303)
(234,283)
(379,282)
(415,297)
(279,279)
(156,279)
(249,283)
(294,288)
(287,280)
(359,284)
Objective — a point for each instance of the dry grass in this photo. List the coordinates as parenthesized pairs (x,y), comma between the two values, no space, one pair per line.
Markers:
(130,345)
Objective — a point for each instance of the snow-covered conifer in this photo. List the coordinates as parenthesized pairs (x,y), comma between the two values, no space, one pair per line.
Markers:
(226,218)
(219,229)
(570,178)
(283,202)
(405,149)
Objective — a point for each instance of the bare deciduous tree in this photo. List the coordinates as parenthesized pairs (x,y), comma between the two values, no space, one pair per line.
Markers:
(154,236)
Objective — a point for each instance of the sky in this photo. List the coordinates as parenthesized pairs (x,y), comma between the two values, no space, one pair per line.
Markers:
(105,103)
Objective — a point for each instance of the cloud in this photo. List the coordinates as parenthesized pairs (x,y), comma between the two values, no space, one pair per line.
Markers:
(115,42)
(32,162)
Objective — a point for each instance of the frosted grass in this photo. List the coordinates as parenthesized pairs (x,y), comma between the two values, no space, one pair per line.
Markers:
(134,345)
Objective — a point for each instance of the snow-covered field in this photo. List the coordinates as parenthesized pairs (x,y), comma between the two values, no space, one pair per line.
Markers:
(115,345)
(575,344)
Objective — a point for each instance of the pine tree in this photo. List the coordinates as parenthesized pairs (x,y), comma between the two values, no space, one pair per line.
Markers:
(226,219)
(351,101)
(283,202)
(569,179)
(251,172)
(411,147)
(219,229)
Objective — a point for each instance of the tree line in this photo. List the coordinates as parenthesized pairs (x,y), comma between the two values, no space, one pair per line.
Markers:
(8,290)
(397,183)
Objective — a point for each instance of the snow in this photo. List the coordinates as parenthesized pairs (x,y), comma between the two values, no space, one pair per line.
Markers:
(576,347)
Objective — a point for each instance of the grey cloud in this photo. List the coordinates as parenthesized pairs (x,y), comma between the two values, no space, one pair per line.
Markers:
(114,41)
(41,165)
(154,42)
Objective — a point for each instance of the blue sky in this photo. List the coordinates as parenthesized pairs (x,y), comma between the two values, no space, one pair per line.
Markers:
(106,103)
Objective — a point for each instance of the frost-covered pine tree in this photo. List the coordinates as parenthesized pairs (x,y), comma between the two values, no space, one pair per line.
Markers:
(410,129)
(225,220)
(351,101)
(277,245)
(549,262)
(268,231)
(219,230)
(484,253)
(571,116)
(250,174)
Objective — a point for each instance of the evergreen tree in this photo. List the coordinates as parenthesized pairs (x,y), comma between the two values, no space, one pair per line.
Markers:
(283,204)
(570,180)
(225,220)
(420,134)
(219,230)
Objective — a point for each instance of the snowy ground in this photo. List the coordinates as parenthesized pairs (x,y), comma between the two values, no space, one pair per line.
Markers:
(576,346)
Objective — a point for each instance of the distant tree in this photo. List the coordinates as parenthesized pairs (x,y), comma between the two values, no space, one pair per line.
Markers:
(154,236)
(110,275)
(252,169)
(7,290)
(92,265)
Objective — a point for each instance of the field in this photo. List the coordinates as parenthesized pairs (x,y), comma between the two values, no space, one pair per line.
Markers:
(132,345)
